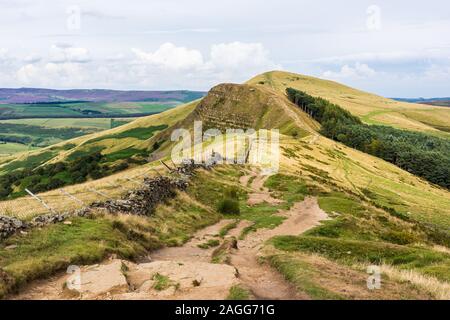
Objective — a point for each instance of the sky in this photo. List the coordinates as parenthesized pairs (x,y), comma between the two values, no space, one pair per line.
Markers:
(392,48)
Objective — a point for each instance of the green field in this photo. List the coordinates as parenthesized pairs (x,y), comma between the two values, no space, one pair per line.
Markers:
(96,123)
(81,109)
(20,135)
(8,148)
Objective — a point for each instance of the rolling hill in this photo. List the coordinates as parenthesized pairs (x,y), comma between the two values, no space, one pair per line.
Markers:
(375,213)
(371,108)
(43,96)
(443,102)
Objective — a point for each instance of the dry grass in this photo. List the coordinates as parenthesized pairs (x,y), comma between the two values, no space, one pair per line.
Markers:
(113,186)
(371,108)
(441,249)
(323,279)
(438,289)
(360,173)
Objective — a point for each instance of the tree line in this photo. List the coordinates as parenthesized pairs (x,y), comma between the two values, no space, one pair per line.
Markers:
(56,175)
(419,153)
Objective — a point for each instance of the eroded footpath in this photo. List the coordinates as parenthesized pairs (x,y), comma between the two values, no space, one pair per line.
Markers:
(189,271)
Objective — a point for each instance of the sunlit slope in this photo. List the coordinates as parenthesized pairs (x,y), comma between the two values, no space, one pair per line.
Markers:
(328,163)
(371,108)
(303,152)
(249,106)
(235,106)
(320,161)
(136,135)
(242,106)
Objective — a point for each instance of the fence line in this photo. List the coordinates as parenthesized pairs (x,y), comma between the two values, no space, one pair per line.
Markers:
(116,186)
(40,201)
(72,197)
(99,193)
(77,196)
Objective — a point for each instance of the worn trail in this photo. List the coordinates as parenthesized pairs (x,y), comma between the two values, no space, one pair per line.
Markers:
(187,272)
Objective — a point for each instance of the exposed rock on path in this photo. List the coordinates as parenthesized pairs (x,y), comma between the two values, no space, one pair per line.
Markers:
(187,272)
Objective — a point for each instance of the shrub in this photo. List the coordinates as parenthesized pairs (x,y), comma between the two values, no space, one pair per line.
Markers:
(422,154)
(232,193)
(399,237)
(228,206)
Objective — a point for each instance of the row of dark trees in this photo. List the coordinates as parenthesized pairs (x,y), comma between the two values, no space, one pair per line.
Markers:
(56,175)
(421,154)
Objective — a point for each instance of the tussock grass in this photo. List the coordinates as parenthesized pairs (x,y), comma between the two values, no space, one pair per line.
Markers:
(209,244)
(422,260)
(224,231)
(238,292)
(438,289)
(162,282)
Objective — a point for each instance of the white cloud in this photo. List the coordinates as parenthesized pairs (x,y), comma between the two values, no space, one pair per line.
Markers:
(238,55)
(27,73)
(437,72)
(386,56)
(3,53)
(170,65)
(49,74)
(169,56)
(61,53)
(358,70)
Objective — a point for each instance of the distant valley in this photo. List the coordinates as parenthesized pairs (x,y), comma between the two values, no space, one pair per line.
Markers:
(443,102)
(34,118)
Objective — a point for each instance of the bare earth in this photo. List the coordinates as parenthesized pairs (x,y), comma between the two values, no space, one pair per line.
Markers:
(188,269)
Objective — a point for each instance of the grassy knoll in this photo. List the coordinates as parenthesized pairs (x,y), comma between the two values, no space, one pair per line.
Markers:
(370,107)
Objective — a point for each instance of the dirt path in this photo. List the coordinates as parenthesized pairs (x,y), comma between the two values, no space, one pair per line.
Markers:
(190,251)
(187,272)
(259,193)
(262,280)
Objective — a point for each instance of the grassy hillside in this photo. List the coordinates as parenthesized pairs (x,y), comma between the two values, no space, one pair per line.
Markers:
(371,108)
(379,214)
(102,153)
(369,202)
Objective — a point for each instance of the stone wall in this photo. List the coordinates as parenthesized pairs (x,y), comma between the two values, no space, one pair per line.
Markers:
(141,201)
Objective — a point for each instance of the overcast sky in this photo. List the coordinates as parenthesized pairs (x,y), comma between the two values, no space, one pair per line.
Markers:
(393,48)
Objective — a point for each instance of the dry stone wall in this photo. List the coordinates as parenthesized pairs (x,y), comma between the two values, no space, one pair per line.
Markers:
(141,201)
